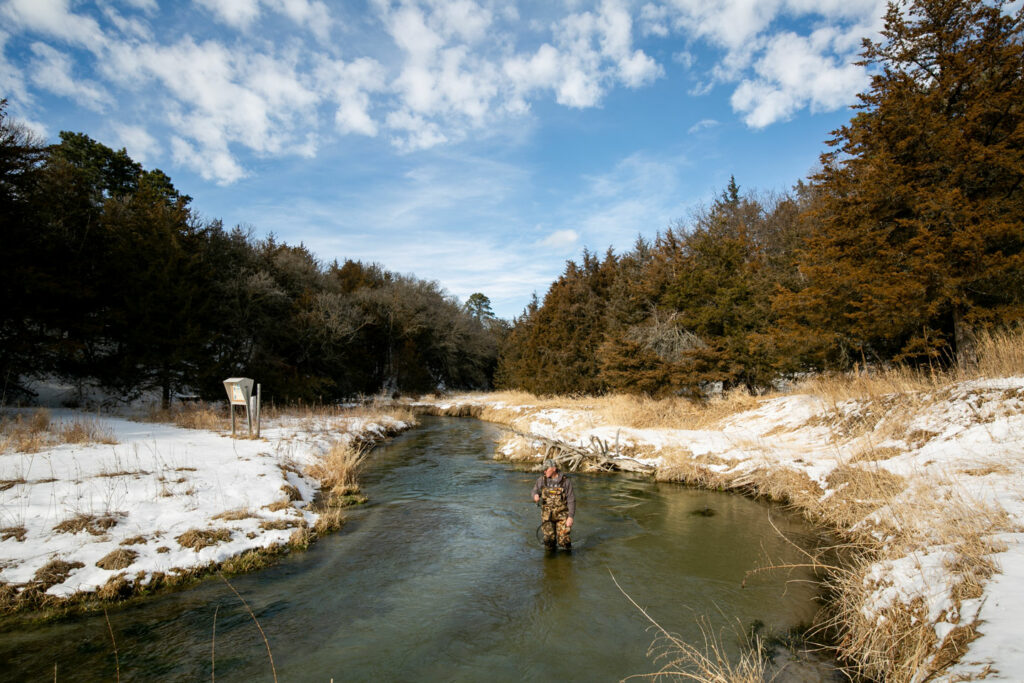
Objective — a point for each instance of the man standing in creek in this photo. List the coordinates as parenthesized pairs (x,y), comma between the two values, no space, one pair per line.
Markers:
(557,499)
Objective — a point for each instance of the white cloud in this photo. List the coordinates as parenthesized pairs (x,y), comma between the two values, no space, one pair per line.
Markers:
(408,28)
(703,124)
(218,97)
(560,239)
(132,27)
(12,81)
(654,20)
(640,194)
(237,14)
(212,163)
(54,18)
(463,18)
(778,73)
(541,70)
(638,69)
(141,146)
(415,132)
(145,5)
(311,15)
(51,70)
(685,58)
(729,23)
(349,85)
(794,72)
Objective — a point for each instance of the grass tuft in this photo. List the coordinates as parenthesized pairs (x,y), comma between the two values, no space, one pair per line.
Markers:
(96,525)
(197,539)
(55,571)
(134,540)
(117,559)
(338,470)
(234,515)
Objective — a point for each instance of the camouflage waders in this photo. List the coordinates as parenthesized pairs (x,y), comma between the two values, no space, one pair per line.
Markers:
(553,514)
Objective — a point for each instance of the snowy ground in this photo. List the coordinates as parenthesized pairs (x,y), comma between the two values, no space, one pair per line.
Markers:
(962,450)
(78,503)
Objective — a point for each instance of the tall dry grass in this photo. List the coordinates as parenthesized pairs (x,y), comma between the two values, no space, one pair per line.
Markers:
(338,470)
(1001,353)
(35,431)
(200,415)
(898,642)
(638,411)
(369,409)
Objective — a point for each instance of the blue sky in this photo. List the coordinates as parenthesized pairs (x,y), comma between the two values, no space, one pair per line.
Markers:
(480,144)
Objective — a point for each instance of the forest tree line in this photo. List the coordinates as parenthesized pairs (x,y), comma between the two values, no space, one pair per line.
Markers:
(906,243)
(111,279)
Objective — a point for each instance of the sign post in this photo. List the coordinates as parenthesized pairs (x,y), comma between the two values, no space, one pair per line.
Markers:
(240,394)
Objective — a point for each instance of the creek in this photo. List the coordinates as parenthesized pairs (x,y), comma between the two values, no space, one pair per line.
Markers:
(441,577)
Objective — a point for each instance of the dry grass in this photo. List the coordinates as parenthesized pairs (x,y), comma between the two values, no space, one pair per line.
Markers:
(278,524)
(213,417)
(36,431)
(329,520)
(134,540)
(370,409)
(859,491)
(117,559)
(117,587)
(683,467)
(84,431)
(1001,354)
(279,505)
(15,532)
(234,515)
(628,410)
(338,470)
(55,571)
(96,525)
(197,539)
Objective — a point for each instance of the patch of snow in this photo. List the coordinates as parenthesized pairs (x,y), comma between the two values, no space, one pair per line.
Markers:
(158,481)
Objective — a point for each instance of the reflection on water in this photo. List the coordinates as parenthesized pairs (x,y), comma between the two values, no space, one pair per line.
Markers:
(441,577)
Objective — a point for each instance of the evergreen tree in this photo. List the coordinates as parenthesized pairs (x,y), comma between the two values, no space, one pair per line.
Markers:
(920,213)
(21,156)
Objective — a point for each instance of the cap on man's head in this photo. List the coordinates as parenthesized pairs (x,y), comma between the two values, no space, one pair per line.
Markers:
(550,463)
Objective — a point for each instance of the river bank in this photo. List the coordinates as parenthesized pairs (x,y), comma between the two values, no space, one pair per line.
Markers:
(923,483)
(102,507)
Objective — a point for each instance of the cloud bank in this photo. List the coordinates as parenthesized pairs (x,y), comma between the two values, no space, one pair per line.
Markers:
(279,78)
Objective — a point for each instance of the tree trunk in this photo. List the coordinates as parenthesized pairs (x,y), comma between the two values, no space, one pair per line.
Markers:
(965,341)
(165,386)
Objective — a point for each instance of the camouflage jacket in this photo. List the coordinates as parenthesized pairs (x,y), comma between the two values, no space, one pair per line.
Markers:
(558,481)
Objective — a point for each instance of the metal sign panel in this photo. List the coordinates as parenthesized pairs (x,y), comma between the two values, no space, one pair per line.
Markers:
(239,390)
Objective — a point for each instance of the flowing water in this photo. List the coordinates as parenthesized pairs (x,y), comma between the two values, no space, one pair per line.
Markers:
(441,577)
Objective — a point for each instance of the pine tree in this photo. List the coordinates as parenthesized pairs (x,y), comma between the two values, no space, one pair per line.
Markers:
(920,220)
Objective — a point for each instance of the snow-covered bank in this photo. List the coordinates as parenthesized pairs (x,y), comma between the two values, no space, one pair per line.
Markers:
(929,484)
(161,501)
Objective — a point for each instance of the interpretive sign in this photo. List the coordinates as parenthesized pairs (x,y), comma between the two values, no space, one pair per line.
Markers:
(240,394)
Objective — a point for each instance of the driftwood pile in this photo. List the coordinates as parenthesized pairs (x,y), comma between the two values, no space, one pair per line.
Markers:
(598,456)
